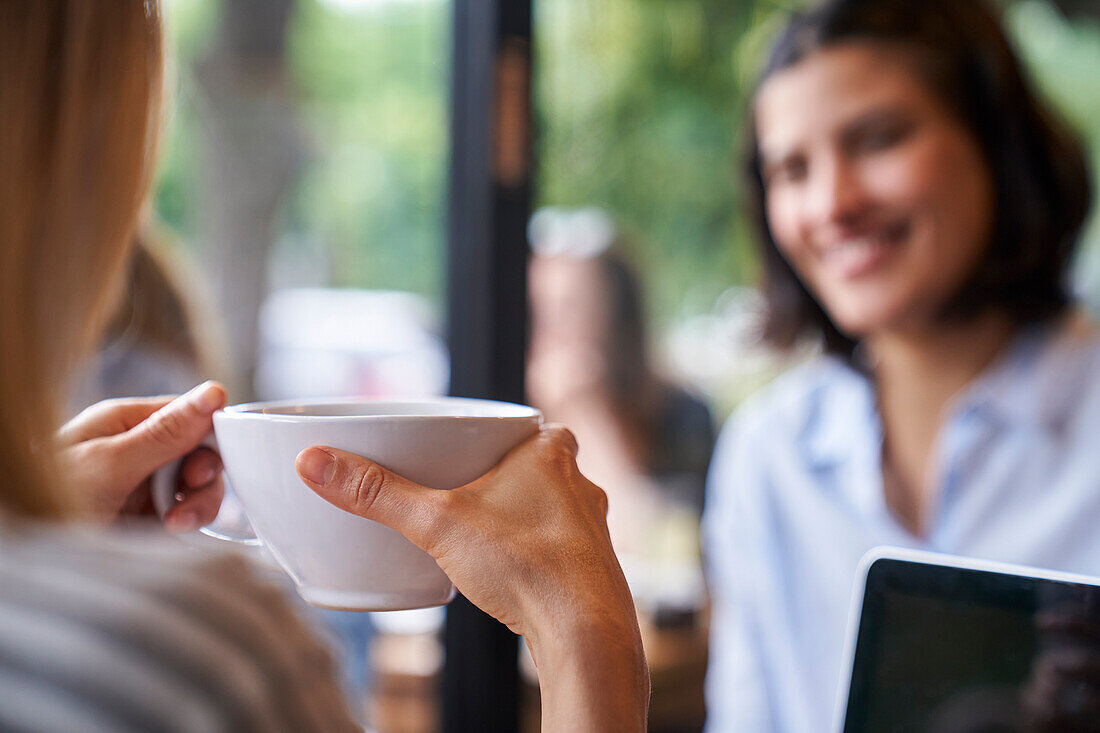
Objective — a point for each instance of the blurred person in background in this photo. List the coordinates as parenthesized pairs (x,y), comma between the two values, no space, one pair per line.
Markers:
(917,208)
(589,360)
(106,632)
(644,439)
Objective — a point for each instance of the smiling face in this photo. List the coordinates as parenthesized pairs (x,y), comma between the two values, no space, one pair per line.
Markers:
(877,195)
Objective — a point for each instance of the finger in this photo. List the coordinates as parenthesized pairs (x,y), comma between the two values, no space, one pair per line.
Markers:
(109,417)
(198,507)
(552,436)
(199,491)
(138,504)
(560,436)
(362,487)
(201,467)
(174,430)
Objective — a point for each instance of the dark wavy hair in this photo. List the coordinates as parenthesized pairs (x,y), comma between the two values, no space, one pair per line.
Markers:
(635,389)
(1040,177)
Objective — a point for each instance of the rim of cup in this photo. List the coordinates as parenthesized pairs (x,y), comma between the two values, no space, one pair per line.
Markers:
(388,408)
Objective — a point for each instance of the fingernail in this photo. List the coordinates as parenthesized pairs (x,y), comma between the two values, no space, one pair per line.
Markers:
(207,396)
(181,521)
(316,465)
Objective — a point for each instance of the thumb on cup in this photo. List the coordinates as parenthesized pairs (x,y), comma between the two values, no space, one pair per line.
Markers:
(173,431)
(362,487)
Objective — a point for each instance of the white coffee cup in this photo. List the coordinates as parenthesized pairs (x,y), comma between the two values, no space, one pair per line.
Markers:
(336,559)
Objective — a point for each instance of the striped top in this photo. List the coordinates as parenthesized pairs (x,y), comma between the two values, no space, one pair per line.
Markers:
(102,632)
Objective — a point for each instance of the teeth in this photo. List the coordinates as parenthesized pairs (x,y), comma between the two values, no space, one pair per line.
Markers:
(854,248)
(853,253)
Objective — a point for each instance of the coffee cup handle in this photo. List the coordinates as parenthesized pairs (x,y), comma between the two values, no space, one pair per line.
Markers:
(163,490)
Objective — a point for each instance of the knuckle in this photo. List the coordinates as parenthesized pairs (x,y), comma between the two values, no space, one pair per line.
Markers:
(93,415)
(166,428)
(601,499)
(554,431)
(105,407)
(448,502)
(562,438)
(367,484)
(453,507)
(437,530)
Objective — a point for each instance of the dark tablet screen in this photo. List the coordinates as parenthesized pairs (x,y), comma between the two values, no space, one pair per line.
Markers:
(949,650)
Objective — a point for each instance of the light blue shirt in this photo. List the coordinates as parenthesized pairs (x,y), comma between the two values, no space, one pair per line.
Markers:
(795,498)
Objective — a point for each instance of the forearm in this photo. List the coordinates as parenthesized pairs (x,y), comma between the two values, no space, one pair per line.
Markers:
(593,677)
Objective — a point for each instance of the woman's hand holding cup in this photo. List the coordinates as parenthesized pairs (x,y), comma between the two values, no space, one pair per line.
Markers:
(528,544)
(110,450)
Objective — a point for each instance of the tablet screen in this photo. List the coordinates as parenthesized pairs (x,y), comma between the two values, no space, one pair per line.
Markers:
(950,650)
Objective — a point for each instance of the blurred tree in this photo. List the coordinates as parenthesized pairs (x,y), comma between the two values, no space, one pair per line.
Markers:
(1063,56)
(251,152)
(1079,8)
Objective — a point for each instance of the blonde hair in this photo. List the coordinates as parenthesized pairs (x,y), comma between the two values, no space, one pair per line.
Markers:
(80,86)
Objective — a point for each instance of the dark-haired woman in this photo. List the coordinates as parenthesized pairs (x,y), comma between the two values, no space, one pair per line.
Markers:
(918,208)
(645,440)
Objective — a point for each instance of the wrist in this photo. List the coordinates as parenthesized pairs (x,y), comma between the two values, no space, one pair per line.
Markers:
(592,672)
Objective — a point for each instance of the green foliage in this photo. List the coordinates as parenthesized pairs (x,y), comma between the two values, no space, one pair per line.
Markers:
(374,86)
(639,107)
(189,25)
(1064,59)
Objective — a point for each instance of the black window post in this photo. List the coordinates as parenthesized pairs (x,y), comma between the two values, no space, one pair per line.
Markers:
(489,204)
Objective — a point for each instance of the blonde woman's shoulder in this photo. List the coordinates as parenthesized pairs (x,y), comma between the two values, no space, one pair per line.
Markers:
(148,634)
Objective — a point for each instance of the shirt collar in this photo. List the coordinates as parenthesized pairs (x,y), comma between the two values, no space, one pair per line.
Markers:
(1033,384)
(842,415)
(1037,380)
